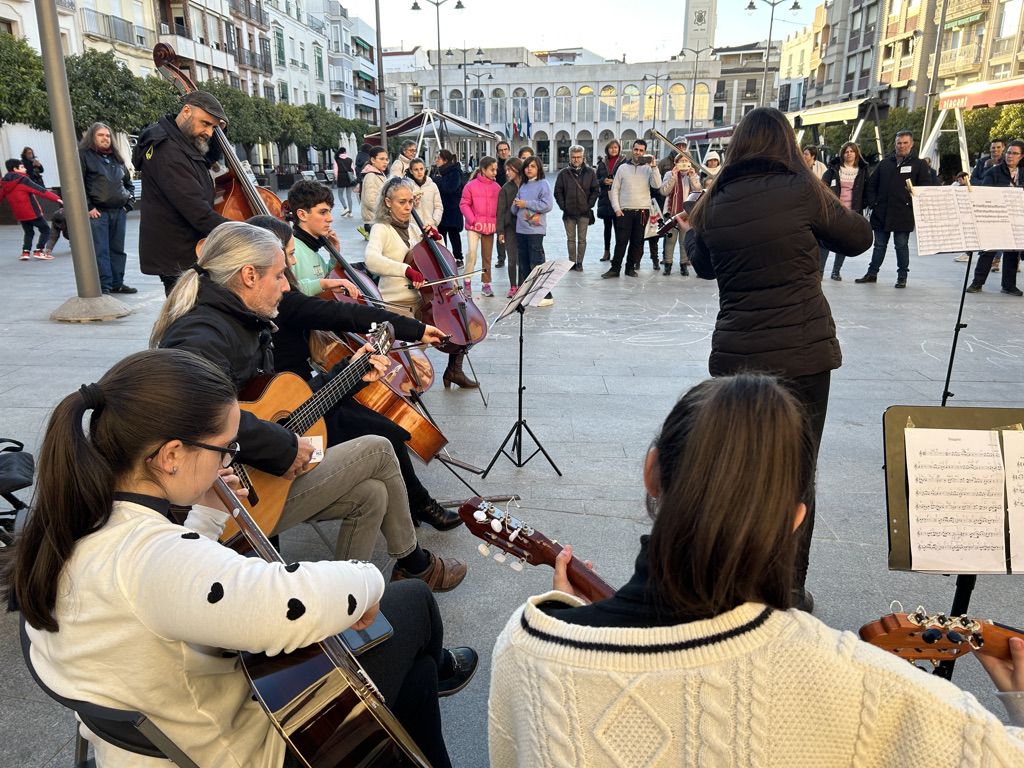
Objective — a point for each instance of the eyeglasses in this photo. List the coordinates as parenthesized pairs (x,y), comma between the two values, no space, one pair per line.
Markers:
(228,452)
(1012,152)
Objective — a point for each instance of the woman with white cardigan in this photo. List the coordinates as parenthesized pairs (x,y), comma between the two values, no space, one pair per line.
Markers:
(393,235)
(428,196)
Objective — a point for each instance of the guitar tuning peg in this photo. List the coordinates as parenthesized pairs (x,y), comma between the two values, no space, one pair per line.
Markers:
(479,515)
(484,550)
(499,557)
(496,526)
(516,565)
(515,534)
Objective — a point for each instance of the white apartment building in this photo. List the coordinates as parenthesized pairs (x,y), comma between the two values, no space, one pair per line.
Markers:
(300,44)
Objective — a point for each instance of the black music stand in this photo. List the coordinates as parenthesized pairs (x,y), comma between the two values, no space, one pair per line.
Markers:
(538,284)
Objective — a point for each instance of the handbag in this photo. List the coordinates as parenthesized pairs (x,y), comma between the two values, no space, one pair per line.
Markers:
(352,177)
(653,222)
(16,466)
(591,211)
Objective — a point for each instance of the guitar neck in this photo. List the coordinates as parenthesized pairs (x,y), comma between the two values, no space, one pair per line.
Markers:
(337,387)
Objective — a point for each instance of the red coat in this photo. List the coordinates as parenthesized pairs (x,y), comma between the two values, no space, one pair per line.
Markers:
(20,192)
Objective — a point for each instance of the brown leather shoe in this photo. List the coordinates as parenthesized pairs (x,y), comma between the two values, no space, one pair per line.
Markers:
(442,575)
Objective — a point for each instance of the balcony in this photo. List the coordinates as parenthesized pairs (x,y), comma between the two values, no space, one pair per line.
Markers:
(249,10)
(337,86)
(958,9)
(720,96)
(1004,46)
(293,62)
(68,6)
(966,58)
(115,28)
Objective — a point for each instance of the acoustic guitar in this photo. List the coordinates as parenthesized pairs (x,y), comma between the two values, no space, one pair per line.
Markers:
(320,698)
(526,544)
(919,636)
(288,400)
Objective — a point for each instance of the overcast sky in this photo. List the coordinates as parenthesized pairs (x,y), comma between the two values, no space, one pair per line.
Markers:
(602,26)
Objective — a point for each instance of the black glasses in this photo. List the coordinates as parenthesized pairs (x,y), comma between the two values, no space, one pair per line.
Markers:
(228,452)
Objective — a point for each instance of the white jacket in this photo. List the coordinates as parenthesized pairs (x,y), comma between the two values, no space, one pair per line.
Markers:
(385,256)
(428,205)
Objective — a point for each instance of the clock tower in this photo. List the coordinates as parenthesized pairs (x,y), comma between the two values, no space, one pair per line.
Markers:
(699,29)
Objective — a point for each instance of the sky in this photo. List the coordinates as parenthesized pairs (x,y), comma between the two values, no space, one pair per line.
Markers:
(601,26)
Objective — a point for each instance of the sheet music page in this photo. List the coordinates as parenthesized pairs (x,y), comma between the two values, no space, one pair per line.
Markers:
(1013,199)
(937,220)
(955,483)
(965,215)
(1013,446)
(992,218)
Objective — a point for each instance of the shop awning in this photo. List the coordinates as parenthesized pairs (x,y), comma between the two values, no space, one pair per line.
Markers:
(359,41)
(364,76)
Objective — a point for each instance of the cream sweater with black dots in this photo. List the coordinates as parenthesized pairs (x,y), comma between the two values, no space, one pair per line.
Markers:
(753,687)
(145,607)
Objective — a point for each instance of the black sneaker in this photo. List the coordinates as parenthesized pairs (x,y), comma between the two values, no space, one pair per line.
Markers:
(972,288)
(456,670)
(868,278)
(124,289)
(610,273)
(901,282)
(631,273)
(1013,291)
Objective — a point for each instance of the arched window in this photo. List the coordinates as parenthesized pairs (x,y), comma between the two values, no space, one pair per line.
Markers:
(677,102)
(585,139)
(520,106)
(585,104)
(562,143)
(563,105)
(653,106)
(701,102)
(542,144)
(607,111)
(456,105)
(477,107)
(541,106)
(434,100)
(630,103)
(499,107)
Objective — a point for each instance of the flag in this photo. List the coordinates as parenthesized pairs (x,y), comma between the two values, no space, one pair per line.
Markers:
(508,131)
(515,127)
(529,126)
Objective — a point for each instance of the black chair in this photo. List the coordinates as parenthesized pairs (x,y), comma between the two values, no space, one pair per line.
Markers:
(16,471)
(128,730)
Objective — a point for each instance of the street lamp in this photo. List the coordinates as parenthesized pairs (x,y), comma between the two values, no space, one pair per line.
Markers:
(437,7)
(655,78)
(465,60)
(479,76)
(693,93)
(751,7)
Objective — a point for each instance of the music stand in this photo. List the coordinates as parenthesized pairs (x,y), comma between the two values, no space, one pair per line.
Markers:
(538,284)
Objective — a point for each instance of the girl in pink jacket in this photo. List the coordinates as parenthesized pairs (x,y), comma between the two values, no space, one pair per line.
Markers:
(479,207)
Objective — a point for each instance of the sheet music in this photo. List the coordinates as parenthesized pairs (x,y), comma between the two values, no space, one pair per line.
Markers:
(965,216)
(1013,199)
(938,214)
(955,484)
(992,218)
(1013,446)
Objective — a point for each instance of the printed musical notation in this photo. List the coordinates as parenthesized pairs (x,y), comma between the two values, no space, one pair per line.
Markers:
(956,219)
(955,481)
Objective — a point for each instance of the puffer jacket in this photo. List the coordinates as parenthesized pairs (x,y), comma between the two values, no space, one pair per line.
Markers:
(372,182)
(479,205)
(604,204)
(20,192)
(576,191)
(761,244)
(887,196)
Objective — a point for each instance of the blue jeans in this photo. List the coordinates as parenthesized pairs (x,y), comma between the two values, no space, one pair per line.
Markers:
(108,240)
(531,253)
(901,241)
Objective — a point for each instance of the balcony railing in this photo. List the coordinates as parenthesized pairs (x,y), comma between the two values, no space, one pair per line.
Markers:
(66,5)
(115,28)
(1004,45)
(960,8)
(249,10)
(338,86)
(316,24)
(966,57)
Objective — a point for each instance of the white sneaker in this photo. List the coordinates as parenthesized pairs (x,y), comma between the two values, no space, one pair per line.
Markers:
(961,258)
(545,302)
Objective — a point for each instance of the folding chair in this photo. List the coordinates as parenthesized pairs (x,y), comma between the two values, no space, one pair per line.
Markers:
(129,730)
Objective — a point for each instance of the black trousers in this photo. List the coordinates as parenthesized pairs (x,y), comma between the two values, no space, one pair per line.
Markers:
(169,282)
(609,225)
(1007,273)
(453,237)
(404,667)
(812,393)
(629,231)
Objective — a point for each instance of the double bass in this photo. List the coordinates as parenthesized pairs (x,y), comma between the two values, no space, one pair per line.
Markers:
(445,303)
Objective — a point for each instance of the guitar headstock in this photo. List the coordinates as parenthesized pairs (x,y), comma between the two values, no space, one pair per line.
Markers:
(381,337)
(920,636)
(508,534)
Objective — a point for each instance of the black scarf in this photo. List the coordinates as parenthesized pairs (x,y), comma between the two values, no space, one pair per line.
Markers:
(402,228)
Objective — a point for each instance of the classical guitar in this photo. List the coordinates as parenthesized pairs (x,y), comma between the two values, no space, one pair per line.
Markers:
(514,537)
(287,400)
(919,636)
(320,698)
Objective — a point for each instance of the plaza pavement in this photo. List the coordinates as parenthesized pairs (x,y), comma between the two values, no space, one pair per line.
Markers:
(603,367)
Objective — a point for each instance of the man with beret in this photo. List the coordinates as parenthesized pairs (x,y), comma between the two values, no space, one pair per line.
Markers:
(174,157)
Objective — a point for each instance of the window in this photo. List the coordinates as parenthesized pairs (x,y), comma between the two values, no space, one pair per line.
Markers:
(542,105)
(851,67)
(563,105)
(268,92)
(720,90)
(677,102)
(1009,18)
(318,61)
(1001,71)
(855,22)
(282,92)
(866,62)
(456,104)
(499,107)
(606,110)
(302,53)
(279,45)
(477,107)
(520,105)
(750,89)
(894,9)
(6,27)
(585,104)
(630,103)
(719,116)
(653,102)
(321,100)
(434,99)
(701,102)
(870,17)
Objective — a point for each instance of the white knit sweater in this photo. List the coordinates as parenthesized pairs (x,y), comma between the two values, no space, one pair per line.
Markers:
(144,607)
(385,256)
(752,687)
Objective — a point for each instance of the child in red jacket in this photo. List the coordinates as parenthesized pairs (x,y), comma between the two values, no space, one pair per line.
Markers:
(21,193)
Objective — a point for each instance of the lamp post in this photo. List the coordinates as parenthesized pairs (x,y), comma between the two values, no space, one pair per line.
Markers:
(437,7)
(693,93)
(465,61)
(479,76)
(656,79)
(751,7)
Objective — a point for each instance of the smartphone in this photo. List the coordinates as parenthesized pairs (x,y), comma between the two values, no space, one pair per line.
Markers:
(361,640)
(691,200)
(684,165)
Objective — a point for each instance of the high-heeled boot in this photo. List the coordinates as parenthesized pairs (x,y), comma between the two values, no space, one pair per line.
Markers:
(453,373)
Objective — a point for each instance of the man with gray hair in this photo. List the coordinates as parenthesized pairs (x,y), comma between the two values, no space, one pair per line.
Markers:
(630,198)
(576,192)
(108,188)
(406,154)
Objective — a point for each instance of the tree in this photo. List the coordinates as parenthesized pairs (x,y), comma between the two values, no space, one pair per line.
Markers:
(1010,124)
(102,90)
(325,125)
(292,128)
(156,98)
(22,88)
(246,126)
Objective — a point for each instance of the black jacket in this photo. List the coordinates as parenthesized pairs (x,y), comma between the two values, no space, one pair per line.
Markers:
(502,177)
(887,196)
(999,176)
(449,182)
(223,330)
(108,185)
(981,168)
(177,198)
(344,167)
(831,180)
(604,205)
(761,244)
(576,191)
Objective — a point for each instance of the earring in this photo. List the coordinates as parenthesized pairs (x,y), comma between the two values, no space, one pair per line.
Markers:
(174,471)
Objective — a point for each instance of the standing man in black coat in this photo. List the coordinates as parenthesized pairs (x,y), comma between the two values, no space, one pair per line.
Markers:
(1008,172)
(108,188)
(891,212)
(173,156)
(576,192)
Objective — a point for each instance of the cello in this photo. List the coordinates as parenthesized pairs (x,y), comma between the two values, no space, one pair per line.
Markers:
(444,301)
(237,197)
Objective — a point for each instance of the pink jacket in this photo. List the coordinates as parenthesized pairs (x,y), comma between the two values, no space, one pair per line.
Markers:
(479,205)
